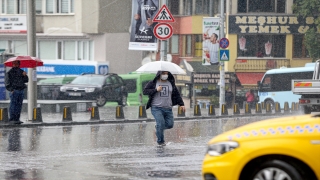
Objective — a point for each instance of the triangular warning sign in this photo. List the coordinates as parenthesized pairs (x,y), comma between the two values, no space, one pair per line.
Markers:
(224,57)
(163,15)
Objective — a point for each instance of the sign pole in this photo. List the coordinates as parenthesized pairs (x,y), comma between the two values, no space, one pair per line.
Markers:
(164,43)
(222,73)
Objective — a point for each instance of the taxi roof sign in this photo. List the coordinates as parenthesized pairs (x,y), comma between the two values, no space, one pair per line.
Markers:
(163,15)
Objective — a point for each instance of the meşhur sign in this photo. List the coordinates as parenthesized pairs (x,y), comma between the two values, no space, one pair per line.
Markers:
(270,24)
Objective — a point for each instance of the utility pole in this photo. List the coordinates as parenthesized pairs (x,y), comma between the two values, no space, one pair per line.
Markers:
(222,81)
(31,41)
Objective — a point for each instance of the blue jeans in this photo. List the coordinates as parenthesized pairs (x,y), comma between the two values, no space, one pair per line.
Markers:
(164,120)
(16,99)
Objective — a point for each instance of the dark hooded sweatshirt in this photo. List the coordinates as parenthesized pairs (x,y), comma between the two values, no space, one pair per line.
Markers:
(150,90)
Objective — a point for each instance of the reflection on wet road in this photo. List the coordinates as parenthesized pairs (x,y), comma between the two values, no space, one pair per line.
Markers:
(113,151)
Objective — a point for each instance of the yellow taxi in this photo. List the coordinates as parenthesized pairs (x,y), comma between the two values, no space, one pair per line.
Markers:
(286,148)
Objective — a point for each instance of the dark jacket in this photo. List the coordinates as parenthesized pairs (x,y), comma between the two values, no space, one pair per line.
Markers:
(14,79)
(150,90)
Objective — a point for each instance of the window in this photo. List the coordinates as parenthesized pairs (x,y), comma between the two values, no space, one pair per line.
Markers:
(47,50)
(202,7)
(38,6)
(282,82)
(188,45)
(173,44)
(198,45)
(20,48)
(255,46)
(299,49)
(276,6)
(187,7)
(3,45)
(59,6)
(14,6)
(59,48)
(84,50)
(174,7)
(69,50)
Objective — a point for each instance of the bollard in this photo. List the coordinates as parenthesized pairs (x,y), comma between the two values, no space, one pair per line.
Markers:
(197,110)
(181,113)
(4,118)
(66,114)
(37,116)
(95,113)
(236,109)
(297,106)
(211,110)
(258,108)
(119,112)
(247,109)
(268,108)
(263,105)
(293,107)
(142,112)
(277,107)
(286,108)
(224,109)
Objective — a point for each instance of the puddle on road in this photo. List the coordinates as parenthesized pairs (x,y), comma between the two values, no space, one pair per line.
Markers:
(165,174)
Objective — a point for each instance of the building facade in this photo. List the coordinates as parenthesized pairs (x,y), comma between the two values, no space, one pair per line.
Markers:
(70,31)
(263,34)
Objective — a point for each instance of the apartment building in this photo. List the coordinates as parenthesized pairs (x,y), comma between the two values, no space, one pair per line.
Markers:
(72,31)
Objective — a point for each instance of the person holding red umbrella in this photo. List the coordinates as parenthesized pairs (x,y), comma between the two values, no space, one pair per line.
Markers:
(15,83)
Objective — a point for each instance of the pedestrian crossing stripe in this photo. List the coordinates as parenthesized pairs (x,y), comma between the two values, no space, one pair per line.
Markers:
(163,15)
(224,55)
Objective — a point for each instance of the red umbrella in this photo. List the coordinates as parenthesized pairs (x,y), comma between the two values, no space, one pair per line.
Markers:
(25,61)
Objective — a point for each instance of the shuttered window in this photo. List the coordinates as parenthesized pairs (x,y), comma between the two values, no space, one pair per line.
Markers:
(22,5)
(64,6)
(10,7)
(38,6)
(59,6)
(49,6)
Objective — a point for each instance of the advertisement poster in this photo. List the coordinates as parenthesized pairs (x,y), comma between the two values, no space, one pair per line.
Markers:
(142,37)
(210,44)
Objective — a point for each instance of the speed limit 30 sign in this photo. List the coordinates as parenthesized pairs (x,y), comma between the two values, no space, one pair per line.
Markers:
(163,31)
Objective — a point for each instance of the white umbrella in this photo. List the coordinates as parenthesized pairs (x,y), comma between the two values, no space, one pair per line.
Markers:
(155,66)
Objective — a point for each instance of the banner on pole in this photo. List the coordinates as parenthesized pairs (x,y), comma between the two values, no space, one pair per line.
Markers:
(142,36)
(210,44)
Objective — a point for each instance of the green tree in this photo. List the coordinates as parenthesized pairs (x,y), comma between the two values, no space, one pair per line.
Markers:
(310,8)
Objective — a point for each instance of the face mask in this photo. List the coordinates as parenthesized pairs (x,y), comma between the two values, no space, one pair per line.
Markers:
(164,77)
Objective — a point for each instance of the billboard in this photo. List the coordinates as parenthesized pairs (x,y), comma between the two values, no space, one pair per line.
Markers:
(142,36)
(210,43)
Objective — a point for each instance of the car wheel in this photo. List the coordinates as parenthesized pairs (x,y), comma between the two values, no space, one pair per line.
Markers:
(123,100)
(270,102)
(306,110)
(276,170)
(101,100)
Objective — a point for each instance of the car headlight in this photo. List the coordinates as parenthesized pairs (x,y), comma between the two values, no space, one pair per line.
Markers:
(63,89)
(88,90)
(220,148)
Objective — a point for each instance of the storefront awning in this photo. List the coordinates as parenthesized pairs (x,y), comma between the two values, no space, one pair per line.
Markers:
(248,78)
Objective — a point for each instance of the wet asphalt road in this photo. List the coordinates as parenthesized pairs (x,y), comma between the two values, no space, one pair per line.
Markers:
(109,151)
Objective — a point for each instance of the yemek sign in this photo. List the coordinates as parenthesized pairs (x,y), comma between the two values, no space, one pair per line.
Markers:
(270,24)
